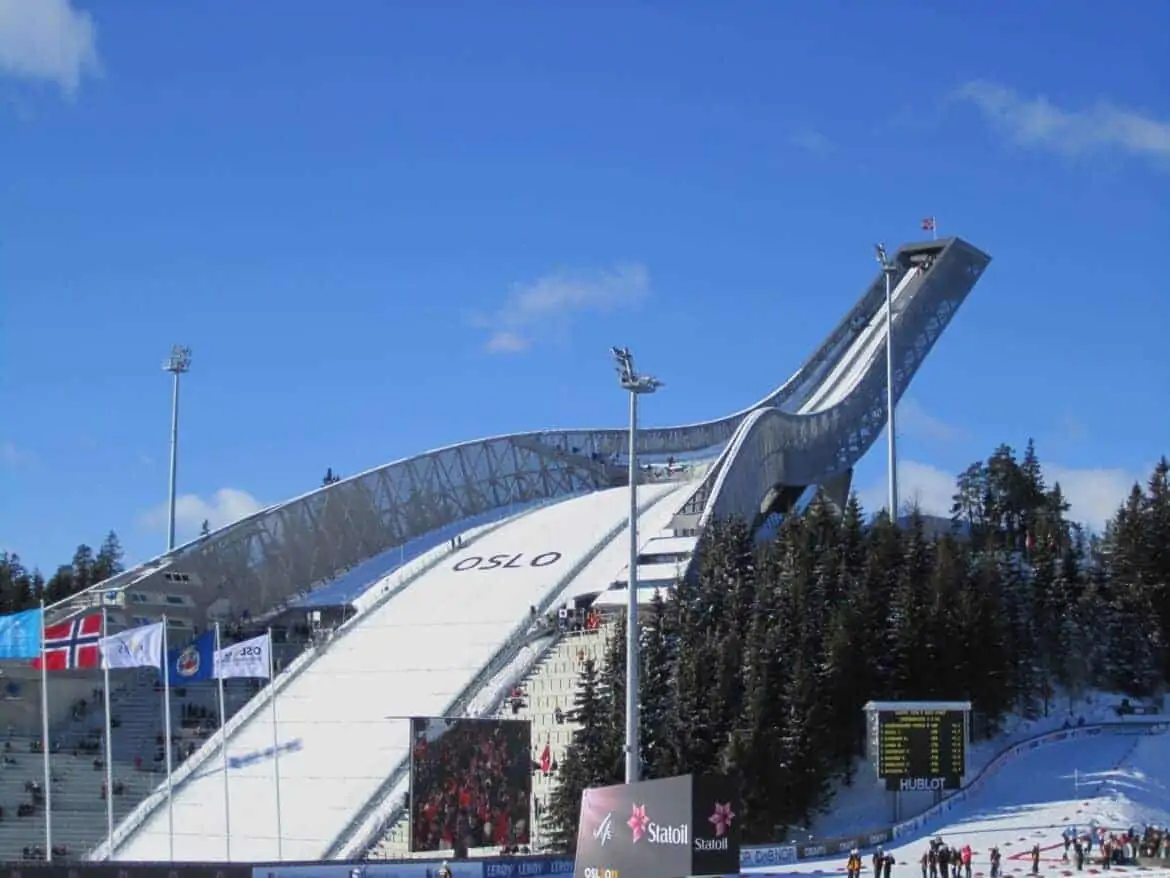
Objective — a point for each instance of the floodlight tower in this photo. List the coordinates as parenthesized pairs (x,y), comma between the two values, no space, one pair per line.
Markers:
(635,385)
(179,362)
(888,269)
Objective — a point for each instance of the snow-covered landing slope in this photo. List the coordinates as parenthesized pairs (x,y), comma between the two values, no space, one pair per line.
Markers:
(343,723)
(1113,780)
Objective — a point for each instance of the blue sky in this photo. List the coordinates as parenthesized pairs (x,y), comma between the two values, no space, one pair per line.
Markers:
(386,227)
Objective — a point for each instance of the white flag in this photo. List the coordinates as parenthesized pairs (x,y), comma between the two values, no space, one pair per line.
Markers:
(140,647)
(248,658)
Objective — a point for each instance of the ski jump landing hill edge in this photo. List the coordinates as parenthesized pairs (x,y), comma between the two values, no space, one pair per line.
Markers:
(542,517)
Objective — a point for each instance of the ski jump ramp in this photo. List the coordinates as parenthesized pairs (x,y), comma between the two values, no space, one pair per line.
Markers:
(418,651)
(342,724)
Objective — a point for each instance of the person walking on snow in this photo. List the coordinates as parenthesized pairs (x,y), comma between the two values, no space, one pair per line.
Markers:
(965,856)
(1035,859)
(878,857)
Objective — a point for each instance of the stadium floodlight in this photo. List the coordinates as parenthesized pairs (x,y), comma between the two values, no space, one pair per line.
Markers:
(635,385)
(888,269)
(178,363)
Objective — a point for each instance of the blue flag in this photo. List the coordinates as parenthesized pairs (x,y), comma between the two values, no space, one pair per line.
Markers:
(20,635)
(193,662)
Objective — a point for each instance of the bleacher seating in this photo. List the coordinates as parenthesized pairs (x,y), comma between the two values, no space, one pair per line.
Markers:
(549,687)
(77,759)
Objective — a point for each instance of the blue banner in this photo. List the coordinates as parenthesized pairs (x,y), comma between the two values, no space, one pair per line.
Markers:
(523,867)
(193,662)
(20,635)
(416,869)
(773,855)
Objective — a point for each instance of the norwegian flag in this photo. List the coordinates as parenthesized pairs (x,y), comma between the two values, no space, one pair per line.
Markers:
(73,645)
(546,759)
(928,224)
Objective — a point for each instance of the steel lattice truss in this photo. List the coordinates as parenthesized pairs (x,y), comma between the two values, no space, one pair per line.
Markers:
(269,557)
(774,448)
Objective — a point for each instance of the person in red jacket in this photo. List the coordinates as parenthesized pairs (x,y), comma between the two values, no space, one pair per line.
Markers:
(965,856)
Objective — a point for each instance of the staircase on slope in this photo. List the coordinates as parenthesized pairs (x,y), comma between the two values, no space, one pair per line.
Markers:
(552,684)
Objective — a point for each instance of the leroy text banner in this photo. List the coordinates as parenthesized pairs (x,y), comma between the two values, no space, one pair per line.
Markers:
(248,658)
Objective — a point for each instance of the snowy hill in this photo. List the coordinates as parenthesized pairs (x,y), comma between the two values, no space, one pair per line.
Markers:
(866,805)
(1116,779)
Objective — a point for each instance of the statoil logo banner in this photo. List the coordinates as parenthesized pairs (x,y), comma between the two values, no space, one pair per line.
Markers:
(666,828)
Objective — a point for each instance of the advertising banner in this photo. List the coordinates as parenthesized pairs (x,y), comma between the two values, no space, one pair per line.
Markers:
(526,867)
(830,847)
(715,825)
(668,828)
(124,870)
(771,855)
(414,869)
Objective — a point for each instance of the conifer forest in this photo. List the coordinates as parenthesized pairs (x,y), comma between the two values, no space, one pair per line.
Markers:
(762,663)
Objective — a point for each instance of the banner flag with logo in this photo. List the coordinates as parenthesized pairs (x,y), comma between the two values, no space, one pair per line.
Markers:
(20,634)
(193,662)
(248,658)
(140,647)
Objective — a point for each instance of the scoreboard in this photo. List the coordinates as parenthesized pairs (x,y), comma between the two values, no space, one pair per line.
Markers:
(921,749)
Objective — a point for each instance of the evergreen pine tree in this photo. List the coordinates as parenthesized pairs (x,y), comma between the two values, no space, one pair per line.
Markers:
(586,763)
(109,558)
(656,709)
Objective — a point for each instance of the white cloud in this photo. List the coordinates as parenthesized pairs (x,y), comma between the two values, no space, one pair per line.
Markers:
(914,420)
(1039,124)
(545,307)
(812,141)
(47,40)
(504,341)
(11,455)
(921,484)
(227,505)
(1093,494)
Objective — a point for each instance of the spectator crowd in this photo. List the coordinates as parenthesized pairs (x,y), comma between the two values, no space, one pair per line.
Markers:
(471,785)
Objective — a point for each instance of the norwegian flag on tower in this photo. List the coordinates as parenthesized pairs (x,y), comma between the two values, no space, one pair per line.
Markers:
(72,645)
(928,224)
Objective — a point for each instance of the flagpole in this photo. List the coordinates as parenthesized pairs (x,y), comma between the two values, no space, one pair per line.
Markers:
(109,745)
(275,750)
(45,744)
(227,808)
(167,736)
(934,228)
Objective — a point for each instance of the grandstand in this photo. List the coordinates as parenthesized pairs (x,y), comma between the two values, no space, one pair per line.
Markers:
(425,587)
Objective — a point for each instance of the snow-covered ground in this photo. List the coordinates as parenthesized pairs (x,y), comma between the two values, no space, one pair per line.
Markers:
(1112,780)
(867,805)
